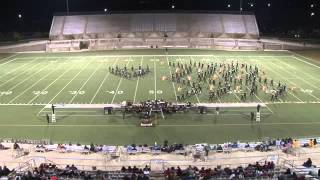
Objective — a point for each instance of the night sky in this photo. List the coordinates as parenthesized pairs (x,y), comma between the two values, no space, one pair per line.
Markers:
(272,15)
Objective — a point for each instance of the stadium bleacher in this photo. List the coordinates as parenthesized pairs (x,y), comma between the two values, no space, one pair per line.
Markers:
(182,30)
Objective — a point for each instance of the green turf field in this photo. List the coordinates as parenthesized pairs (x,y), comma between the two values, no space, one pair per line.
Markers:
(28,82)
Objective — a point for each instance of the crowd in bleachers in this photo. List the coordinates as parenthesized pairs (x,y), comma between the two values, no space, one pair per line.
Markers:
(52,172)
(265,170)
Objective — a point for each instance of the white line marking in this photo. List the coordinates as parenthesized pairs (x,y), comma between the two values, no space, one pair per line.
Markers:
(260,100)
(160,55)
(8,58)
(64,87)
(67,70)
(16,85)
(275,73)
(105,78)
(289,80)
(219,77)
(19,67)
(311,64)
(93,73)
(155,79)
(135,92)
(35,83)
(14,77)
(190,82)
(161,125)
(173,86)
(307,82)
(116,92)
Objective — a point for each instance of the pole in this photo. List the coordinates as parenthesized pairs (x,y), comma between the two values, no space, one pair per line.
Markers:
(240,6)
(67,2)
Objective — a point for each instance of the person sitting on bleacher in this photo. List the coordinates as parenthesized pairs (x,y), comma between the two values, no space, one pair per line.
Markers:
(308,163)
(16,146)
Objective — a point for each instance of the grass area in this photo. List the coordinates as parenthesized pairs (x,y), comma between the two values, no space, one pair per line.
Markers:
(30,81)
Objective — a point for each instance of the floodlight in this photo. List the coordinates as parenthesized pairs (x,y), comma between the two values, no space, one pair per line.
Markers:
(105,9)
(269,4)
(19,16)
(229,5)
(312,13)
(172,6)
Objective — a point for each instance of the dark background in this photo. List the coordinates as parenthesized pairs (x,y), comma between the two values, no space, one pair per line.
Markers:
(282,18)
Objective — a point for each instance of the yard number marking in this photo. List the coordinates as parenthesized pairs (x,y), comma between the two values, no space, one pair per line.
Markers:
(40,92)
(158,91)
(6,93)
(77,92)
(306,90)
(113,92)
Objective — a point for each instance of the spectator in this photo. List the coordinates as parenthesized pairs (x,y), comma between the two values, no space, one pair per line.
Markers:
(16,146)
(308,163)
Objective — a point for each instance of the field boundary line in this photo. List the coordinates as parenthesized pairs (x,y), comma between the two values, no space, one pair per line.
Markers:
(35,83)
(270,103)
(311,77)
(173,86)
(155,78)
(116,92)
(19,67)
(16,85)
(162,55)
(277,74)
(102,82)
(19,74)
(34,98)
(9,58)
(298,77)
(64,87)
(311,64)
(282,69)
(135,92)
(91,75)
(163,125)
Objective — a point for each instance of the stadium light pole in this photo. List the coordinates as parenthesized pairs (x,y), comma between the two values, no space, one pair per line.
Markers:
(67,3)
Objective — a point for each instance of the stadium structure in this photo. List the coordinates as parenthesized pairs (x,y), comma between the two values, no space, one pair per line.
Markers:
(223,97)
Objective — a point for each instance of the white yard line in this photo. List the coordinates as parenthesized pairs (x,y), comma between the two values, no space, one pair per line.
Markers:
(17,75)
(157,55)
(288,102)
(93,73)
(311,64)
(35,83)
(105,78)
(190,82)
(8,58)
(155,78)
(161,125)
(283,69)
(19,67)
(116,92)
(260,100)
(173,86)
(279,75)
(67,70)
(83,68)
(16,85)
(311,76)
(135,92)
(294,75)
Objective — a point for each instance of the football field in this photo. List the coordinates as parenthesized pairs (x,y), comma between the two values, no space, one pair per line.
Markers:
(29,82)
